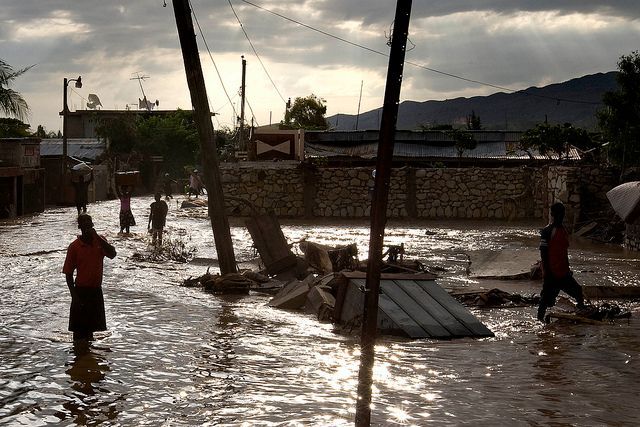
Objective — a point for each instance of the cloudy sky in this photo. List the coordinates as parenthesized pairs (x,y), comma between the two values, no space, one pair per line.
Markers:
(508,43)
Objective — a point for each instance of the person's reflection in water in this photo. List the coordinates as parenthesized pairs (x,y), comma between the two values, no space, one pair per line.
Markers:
(87,371)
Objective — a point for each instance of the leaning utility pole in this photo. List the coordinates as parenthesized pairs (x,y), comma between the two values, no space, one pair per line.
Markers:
(241,145)
(379,210)
(202,115)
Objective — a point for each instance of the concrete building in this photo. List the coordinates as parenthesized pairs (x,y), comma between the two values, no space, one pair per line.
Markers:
(22,179)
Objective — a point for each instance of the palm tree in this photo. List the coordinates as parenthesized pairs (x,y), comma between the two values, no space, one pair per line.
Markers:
(11,102)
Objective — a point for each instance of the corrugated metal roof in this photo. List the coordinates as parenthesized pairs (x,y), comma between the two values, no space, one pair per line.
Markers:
(80,148)
(496,145)
(484,150)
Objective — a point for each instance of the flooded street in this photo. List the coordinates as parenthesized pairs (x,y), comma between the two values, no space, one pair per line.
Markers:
(179,356)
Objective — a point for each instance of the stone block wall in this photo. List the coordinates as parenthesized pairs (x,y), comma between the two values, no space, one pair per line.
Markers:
(269,186)
(478,193)
(294,190)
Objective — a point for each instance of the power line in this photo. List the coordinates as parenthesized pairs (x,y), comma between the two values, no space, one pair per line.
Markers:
(211,57)
(252,113)
(256,52)
(433,70)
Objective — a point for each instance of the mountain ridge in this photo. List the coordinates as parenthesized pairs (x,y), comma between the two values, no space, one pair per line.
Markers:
(574,101)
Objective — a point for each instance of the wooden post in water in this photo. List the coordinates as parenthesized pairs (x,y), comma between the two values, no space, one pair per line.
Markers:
(202,115)
(379,210)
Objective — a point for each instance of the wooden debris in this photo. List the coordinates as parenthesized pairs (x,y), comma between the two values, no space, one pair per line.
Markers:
(270,243)
(317,256)
(592,314)
(495,298)
(321,302)
(193,203)
(232,283)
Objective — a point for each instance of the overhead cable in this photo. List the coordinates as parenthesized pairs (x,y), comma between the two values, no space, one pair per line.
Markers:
(211,57)
(256,52)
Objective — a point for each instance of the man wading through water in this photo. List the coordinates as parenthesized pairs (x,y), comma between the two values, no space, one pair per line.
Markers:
(554,242)
(86,255)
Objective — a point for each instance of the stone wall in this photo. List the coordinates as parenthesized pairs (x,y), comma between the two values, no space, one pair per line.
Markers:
(277,187)
(495,193)
(292,189)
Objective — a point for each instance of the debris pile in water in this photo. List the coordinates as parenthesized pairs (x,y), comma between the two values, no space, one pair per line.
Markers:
(496,298)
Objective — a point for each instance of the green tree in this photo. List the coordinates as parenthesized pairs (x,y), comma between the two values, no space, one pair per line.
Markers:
(121,132)
(173,136)
(620,119)
(549,139)
(11,102)
(41,132)
(463,140)
(13,128)
(307,113)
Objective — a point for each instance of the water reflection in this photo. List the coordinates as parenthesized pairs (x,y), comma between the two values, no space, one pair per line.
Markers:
(179,356)
(86,372)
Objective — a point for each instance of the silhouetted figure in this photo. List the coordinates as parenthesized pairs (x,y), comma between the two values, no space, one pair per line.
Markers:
(157,219)
(557,276)
(81,188)
(167,186)
(126,216)
(195,184)
(85,256)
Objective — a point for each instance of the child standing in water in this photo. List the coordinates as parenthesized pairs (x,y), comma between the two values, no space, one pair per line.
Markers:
(126,216)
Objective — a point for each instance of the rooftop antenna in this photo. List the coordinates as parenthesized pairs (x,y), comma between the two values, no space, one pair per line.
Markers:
(140,77)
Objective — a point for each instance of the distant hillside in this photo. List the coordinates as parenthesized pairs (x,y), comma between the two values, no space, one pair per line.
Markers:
(501,111)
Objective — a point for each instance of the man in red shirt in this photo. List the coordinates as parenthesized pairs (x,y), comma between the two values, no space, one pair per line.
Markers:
(554,243)
(85,255)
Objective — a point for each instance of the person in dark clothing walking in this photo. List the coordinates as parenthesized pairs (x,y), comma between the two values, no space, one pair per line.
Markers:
(167,186)
(157,219)
(554,243)
(82,187)
(85,256)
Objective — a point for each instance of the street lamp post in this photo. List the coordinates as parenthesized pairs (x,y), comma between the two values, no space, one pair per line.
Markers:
(65,110)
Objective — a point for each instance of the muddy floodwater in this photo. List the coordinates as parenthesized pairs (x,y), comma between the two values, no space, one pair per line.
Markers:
(179,356)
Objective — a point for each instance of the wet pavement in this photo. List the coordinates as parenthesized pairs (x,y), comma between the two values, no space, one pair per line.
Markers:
(180,356)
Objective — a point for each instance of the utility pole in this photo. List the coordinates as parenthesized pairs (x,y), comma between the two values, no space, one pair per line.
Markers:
(202,115)
(241,144)
(379,210)
(359,101)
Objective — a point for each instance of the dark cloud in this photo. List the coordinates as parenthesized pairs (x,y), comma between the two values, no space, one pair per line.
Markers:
(490,41)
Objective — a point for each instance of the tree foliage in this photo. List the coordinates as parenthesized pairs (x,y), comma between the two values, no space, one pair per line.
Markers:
(307,113)
(11,102)
(549,139)
(620,119)
(463,140)
(13,128)
(173,136)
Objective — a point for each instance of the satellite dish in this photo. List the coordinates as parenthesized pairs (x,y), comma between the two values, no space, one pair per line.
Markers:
(93,101)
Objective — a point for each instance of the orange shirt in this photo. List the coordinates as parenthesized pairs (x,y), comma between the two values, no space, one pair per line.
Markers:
(87,259)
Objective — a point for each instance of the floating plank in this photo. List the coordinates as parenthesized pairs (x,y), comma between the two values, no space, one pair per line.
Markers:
(270,242)
(430,305)
(422,317)
(456,309)
(574,318)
